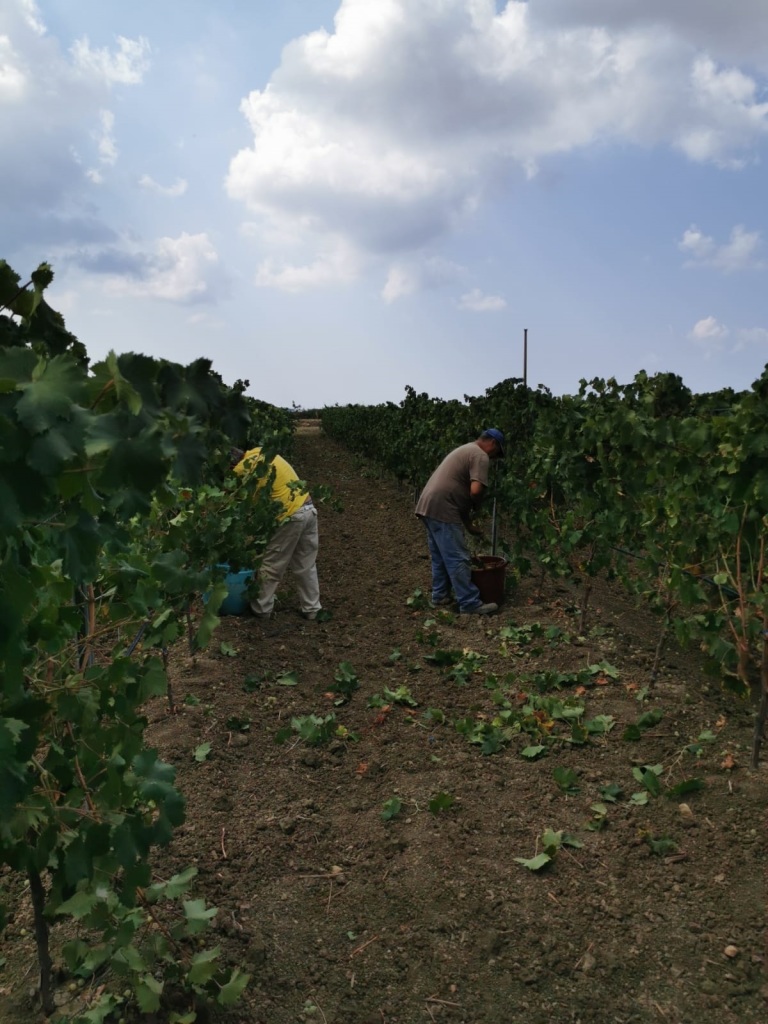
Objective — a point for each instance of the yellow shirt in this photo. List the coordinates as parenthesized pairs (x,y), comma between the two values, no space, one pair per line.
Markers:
(291,498)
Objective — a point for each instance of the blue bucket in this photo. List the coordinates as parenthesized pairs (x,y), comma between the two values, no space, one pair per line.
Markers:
(236,602)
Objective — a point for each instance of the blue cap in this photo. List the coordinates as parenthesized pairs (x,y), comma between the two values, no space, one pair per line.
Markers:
(497,436)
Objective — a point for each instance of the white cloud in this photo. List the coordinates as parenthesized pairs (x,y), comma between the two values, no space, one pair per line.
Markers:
(732,115)
(13,80)
(710,25)
(125,66)
(747,336)
(477,302)
(106,147)
(105,138)
(418,275)
(708,330)
(338,265)
(56,129)
(738,253)
(183,270)
(204,319)
(400,282)
(174,191)
(700,246)
(31,15)
(711,335)
(358,135)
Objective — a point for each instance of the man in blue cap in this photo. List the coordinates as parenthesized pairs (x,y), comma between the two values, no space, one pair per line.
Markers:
(452,494)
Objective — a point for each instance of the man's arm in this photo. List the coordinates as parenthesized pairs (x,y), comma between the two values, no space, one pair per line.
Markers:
(476,492)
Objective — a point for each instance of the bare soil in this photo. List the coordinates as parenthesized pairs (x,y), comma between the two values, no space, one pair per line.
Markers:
(342,917)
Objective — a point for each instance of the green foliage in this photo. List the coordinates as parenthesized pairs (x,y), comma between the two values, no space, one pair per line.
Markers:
(468,665)
(600,725)
(313,729)
(535,863)
(287,679)
(442,658)
(532,715)
(685,787)
(441,802)
(533,753)
(551,679)
(567,780)
(346,682)
(661,846)
(611,792)
(635,730)
(599,819)
(434,716)
(402,695)
(662,489)
(391,808)
(551,842)
(112,475)
(239,723)
(648,776)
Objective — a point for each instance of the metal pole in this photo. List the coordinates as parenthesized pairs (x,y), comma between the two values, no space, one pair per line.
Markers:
(525,358)
(494,516)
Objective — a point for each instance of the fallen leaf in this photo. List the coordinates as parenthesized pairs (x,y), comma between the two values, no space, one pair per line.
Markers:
(720,722)
(362,768)
(728,762)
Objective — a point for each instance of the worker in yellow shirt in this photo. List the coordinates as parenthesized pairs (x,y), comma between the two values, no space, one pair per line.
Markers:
(294,545)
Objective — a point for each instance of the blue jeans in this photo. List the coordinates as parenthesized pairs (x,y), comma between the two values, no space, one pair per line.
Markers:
(451,564)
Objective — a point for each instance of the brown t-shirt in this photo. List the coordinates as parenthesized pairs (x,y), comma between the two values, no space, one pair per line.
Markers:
(447,496)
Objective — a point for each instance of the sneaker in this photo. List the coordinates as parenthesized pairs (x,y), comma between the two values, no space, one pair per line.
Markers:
(309,616)
(261,616)
(482,609)
(442,603)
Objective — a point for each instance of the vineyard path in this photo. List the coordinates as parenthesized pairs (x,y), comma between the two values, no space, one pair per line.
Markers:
(343,917)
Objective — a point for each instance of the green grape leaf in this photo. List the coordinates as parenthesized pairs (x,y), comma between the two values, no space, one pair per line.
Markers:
(535,863)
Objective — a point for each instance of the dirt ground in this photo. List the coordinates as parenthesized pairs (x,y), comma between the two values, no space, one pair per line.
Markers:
(343,917)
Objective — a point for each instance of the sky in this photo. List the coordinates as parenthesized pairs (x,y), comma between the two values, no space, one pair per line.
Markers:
(335,199)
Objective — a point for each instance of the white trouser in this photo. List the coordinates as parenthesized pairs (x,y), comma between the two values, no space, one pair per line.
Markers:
(294,546)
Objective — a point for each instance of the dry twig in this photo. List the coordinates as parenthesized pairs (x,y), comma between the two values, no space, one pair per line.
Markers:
(359,949)
(580,961)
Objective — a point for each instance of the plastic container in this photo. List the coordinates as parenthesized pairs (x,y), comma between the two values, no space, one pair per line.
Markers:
(236,602)
(489,577)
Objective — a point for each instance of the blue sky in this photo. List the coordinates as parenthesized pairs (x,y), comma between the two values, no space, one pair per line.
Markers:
(339,199)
